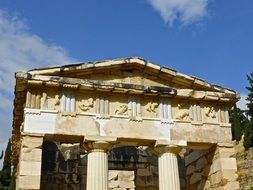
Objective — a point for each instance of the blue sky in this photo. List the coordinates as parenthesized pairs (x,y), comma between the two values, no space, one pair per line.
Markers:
(211,39)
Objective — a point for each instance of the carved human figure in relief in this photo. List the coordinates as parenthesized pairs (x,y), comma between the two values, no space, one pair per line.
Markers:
(85,105)
(183,112)
(44,103)
(210,112)
(151,106)
(121,110)
(56,101)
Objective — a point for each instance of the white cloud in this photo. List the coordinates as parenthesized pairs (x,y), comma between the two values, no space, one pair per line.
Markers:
(20,50)
(242,102)
(184,11)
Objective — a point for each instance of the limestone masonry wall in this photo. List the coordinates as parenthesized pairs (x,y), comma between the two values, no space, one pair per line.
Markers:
(211,170)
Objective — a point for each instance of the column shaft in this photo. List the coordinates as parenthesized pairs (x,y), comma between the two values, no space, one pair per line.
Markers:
(168,172)
(97,170)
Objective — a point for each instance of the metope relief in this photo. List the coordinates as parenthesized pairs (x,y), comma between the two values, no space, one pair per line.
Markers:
(210,112)
(121,110)
(182,113)
(44,102)
(151,106)
(86,105)
(51,102)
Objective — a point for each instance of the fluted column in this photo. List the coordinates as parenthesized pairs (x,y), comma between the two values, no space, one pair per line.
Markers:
(97,169)
(168,167)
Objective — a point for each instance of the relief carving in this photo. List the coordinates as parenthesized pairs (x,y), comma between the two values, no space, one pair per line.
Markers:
(85,105)
(210,112)
(44,102)
(121,110)
(151,106)
(183,112)
(56,101)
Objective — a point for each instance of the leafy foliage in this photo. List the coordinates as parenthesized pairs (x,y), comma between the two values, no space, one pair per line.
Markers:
(237,119)
(248,129)
(250,96)
(7,178)
(248,135)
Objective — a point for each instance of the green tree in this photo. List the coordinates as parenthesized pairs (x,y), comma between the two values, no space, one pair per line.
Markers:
(250,96)
(6,174)
(248,129)
(237,119)
(248,135)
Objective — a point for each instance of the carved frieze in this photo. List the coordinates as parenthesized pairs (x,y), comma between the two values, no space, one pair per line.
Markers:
(44,102)
(151,106)
(85,105)
(133,106)
(210,112)
(121,110)
(183,112)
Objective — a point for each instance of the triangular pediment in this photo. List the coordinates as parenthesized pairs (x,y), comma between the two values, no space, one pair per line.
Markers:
(130,71)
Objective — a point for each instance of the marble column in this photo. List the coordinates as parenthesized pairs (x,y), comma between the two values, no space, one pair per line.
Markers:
(168,167)
(97,168)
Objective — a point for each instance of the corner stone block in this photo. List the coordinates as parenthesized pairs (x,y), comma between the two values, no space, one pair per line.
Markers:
(30,168)
(31,154)
(226,152)
(224,164)
(29,182)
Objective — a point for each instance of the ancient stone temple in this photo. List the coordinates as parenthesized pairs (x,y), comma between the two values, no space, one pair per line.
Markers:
(123,124)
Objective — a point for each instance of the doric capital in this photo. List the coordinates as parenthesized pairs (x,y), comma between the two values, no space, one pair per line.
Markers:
(165,146)
(158,150)
(98,143)
(97,146)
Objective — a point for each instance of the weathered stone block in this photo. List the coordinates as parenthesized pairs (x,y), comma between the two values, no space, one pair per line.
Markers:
(29,182)
(113,184)
(195,178)
(190,169)
(126,184)
(30,168)
(113,175)
(32,142)
(224,164)
(126,176)
(31,154)
(201,163)
(144,172)
(195,155)
(226,152)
